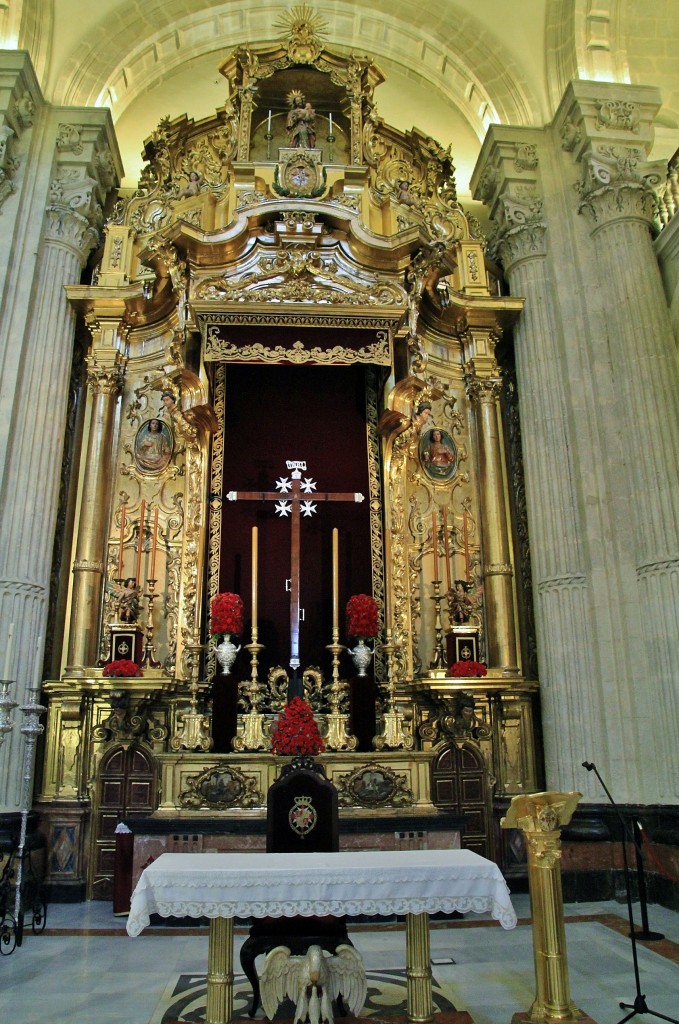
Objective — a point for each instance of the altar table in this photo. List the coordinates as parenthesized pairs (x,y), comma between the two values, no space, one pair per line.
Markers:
(222,886)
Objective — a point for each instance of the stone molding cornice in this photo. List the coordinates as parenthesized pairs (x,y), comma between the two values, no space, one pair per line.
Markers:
(606,113)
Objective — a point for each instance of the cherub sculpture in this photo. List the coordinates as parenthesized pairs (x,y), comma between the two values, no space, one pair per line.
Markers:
(312,982)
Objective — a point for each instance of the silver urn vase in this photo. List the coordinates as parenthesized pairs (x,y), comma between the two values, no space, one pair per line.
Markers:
(362,656)
(226,653)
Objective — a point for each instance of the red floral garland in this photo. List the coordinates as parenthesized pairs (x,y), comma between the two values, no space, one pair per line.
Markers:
(122,667)
(362,616)
(468,668)
(226,614)
(296,731)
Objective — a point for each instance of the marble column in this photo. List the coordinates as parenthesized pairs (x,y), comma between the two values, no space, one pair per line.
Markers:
(509,183)
(81,169)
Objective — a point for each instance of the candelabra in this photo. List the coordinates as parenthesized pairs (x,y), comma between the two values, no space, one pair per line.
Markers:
(25,891)
(193,726)
(395,733)
(251,734)
(338,736)
(439,659)
(148,660)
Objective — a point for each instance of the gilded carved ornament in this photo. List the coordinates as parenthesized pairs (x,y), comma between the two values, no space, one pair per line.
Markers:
(373,785)
(219,788)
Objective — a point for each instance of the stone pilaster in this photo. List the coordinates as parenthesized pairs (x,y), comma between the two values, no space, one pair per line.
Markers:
(611,130)
(80,169)
(483,386)
(89,566)
(508,181)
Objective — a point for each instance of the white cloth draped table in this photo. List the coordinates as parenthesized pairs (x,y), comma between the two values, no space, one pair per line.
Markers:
(222,886)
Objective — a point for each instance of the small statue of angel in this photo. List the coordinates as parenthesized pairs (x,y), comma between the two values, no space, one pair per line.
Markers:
(312,982)
(127,597)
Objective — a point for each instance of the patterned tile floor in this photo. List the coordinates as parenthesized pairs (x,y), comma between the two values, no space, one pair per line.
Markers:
(84,969)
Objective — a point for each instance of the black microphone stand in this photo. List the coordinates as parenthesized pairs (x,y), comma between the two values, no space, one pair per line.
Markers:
(639,1005)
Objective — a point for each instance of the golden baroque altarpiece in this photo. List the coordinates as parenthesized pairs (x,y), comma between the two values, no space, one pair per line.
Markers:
(264,235)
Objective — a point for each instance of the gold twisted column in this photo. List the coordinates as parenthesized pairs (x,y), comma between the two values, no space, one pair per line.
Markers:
(418,969)
(219,1008)
(540,817)
(484,391)
(104,383)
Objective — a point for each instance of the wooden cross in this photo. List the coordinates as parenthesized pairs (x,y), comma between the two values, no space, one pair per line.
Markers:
(289,496)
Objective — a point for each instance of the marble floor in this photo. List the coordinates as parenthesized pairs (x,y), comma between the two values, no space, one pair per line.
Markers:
(84,969)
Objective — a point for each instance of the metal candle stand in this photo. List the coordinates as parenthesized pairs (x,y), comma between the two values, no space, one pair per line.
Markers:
(27,891)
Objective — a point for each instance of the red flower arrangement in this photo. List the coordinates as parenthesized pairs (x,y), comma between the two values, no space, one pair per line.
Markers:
(226,614)
(362,616)
(122,667)
(296,731)
(468,668)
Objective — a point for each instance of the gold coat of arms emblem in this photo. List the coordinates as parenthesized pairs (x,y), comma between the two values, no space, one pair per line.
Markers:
(302,816)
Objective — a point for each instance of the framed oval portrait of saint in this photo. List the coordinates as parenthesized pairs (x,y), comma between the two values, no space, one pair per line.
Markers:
(153,446)
(438,455)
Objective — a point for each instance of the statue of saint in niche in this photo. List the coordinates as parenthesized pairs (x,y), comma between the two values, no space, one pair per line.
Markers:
(153,446)
(301,123)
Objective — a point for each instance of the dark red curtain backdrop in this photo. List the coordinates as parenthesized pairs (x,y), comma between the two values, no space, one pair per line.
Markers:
(273,414)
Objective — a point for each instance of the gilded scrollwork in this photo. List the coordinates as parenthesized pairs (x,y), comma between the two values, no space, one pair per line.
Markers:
(374,785)
(218,788)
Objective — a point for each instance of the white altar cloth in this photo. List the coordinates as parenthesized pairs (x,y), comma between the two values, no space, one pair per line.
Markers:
(382,883)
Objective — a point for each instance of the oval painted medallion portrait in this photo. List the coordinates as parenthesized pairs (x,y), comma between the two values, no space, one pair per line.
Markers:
(438,455)
(153,446)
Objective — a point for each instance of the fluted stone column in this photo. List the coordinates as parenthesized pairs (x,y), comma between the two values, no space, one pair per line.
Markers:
(483,388)
(80,170)
(508,181)
(89,566)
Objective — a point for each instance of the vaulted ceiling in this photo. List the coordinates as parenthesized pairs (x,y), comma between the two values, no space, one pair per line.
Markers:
(450,70)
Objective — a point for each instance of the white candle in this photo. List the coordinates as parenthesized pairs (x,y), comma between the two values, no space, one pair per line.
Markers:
(38,665)
(255,540)
(8,653)
(330,116)
(335,580)
(268,123)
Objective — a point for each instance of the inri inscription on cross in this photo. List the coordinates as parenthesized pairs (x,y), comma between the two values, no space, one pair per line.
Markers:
(294,497)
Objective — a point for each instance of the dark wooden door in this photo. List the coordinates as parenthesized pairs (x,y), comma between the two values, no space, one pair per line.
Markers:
(458,784)
(126,785)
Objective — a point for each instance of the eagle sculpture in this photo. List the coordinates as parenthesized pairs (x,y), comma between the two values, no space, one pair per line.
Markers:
(312,982)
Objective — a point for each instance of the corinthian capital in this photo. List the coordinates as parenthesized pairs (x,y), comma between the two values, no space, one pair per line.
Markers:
(104,380)
(521,230)
(486,388)
(615,184)
(74,214)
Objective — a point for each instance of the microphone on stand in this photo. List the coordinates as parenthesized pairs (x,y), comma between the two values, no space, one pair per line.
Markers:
(589,765)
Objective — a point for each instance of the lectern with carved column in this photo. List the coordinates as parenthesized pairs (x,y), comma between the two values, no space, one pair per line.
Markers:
(541,817)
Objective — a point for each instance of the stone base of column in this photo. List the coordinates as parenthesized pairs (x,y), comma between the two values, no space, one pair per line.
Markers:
(578,1017)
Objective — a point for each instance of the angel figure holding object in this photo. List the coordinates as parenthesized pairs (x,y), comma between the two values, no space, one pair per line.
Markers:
(312,982)
(128,599)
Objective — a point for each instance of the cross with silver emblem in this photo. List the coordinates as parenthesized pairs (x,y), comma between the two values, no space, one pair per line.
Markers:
(290,501)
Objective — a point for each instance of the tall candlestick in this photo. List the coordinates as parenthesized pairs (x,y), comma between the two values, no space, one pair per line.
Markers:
(255,554)
(154,543)
(38,665)
(465,533)
(140,541)
(120,546)
(268,123)
(335,579)
(446,546)
(435,545)
(9,644)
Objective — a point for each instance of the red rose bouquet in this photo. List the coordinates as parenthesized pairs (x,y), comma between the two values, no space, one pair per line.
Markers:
(296,731)
(362,617)
(122,667)
(226,614)
(468,668)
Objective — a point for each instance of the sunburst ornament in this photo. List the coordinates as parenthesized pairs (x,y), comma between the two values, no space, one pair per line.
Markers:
(305,31)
